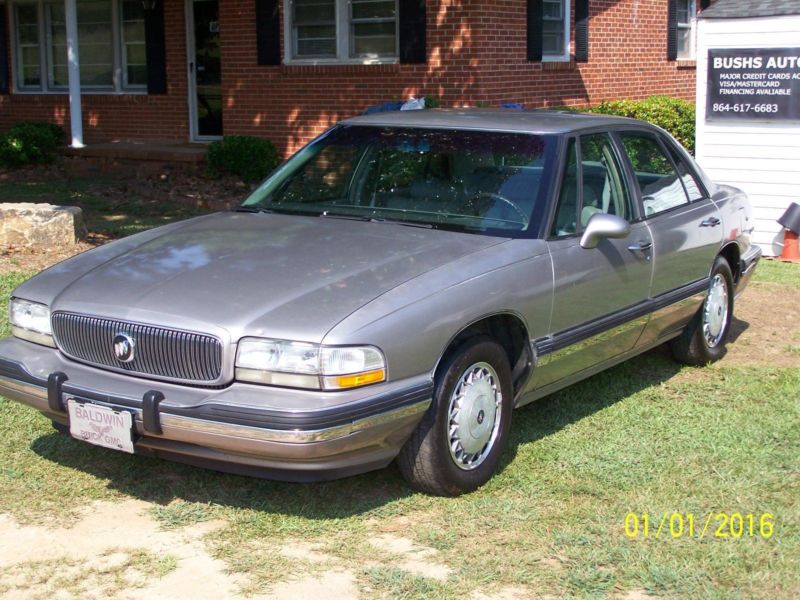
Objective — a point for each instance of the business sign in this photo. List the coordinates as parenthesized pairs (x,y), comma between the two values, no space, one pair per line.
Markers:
(753,84)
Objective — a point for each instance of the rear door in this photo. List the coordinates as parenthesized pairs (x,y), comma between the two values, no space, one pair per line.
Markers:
(684,222)
(598,292)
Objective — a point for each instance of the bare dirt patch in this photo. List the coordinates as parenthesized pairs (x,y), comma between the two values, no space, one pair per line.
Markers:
(766,327)
(111,549)
(412,557)
(33,260)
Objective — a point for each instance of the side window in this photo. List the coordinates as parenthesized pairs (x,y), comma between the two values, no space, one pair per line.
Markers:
(693,188)
(596,187)
(566,221)
(660,185)
(603,187)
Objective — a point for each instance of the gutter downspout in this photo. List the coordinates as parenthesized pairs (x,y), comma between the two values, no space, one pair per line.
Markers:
(73,73)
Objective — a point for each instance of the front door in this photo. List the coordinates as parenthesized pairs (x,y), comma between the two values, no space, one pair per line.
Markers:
(599,292)
(205,89)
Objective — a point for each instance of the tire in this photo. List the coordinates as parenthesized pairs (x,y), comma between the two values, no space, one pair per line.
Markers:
(446,456)
(704,338)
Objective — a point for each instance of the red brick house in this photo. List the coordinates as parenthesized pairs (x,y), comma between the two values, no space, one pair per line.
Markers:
(192,70)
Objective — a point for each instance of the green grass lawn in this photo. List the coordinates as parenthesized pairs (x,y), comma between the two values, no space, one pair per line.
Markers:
(647,436)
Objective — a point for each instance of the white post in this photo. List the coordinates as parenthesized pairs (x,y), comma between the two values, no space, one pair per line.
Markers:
(73,73)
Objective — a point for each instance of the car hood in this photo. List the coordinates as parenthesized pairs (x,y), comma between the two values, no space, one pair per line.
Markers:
(235,274)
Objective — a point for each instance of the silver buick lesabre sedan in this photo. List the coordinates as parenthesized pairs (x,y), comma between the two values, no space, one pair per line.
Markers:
(392,291)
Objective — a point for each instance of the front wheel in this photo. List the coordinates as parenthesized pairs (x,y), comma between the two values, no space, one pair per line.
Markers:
(457,445)
(704,338)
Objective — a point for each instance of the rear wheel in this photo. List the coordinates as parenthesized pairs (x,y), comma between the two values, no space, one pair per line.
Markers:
(704,338)
(458,443)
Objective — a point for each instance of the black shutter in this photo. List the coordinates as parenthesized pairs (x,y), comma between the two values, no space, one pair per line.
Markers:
(535,30)
(413,32)
(268,32)
(582,30)
(155,48)
(672,29)
(704,4)
(3,51)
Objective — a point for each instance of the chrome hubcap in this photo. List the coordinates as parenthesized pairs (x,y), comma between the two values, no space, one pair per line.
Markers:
(474,416)
(715,311)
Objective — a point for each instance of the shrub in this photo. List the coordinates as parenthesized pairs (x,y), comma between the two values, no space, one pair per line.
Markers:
(673,114)
(29,142)
(250,158)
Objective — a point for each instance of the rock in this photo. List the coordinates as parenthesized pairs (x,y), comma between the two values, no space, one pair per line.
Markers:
(40,225)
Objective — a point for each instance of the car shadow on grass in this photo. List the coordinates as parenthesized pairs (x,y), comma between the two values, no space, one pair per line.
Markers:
(162,481)
(554,412)
(738,327)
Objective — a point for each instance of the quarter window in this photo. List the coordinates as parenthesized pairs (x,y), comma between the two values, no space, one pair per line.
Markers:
(360,30)
(110,45)
(693,188)
(659,183)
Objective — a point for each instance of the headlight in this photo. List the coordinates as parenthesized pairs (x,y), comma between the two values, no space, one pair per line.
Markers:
(298,364)
(31,321)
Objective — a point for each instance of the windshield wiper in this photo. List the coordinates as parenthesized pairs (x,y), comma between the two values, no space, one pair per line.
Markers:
(336,215)
(403,223)
(366,219)
(254,209)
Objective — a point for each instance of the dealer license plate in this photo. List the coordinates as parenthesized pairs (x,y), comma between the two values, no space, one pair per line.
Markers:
(100,425)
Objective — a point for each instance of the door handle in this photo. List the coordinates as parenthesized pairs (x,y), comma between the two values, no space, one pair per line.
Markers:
(641,246)
(710,222)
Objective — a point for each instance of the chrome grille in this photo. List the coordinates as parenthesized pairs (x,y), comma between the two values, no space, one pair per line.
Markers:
(164,353)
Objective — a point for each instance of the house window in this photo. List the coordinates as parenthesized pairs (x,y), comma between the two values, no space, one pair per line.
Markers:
(555,29)
(132,38)
(686,13)
(342,30)
(110,46)
(28,60)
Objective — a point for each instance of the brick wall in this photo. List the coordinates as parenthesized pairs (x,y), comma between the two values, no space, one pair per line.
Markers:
(476,53)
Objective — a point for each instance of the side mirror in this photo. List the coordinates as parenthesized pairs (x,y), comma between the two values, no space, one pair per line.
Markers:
(603,225)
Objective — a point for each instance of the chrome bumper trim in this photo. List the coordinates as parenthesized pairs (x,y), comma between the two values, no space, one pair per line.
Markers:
(36,396)
(296,436)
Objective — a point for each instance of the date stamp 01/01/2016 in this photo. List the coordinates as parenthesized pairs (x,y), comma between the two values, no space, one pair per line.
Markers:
(713,525)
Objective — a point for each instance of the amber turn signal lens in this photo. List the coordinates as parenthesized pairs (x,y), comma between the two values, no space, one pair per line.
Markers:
(350,381)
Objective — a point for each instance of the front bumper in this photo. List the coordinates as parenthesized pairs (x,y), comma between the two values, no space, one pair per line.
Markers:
(293,435)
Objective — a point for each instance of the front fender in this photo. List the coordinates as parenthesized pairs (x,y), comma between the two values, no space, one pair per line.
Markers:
(414,323)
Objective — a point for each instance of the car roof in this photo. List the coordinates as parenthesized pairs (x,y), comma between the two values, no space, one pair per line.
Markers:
(492,119)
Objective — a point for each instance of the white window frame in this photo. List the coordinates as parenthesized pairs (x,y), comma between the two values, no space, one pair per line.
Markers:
(564,56)
(343,40)
(690,26)
(45,87)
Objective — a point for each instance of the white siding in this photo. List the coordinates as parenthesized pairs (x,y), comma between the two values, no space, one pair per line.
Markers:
(762,158)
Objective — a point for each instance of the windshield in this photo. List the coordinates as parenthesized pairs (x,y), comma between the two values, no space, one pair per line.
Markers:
(478,181)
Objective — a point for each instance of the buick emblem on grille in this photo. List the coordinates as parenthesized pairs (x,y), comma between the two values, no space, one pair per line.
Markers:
(123,347)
